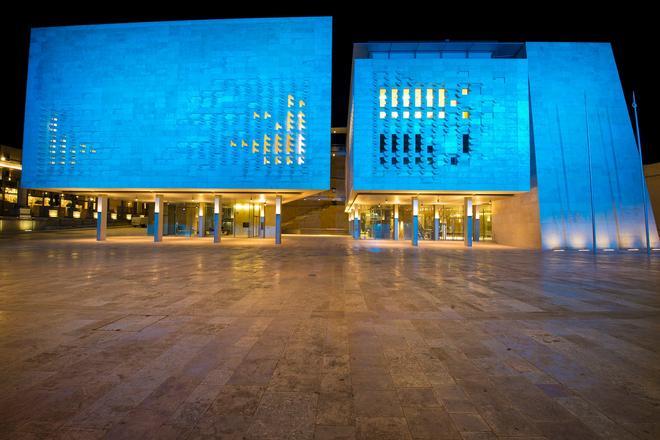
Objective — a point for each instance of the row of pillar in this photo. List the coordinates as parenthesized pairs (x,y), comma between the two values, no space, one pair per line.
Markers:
(159,208)
(471,225)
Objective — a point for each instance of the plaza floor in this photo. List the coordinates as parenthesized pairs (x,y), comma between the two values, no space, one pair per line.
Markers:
(324,338)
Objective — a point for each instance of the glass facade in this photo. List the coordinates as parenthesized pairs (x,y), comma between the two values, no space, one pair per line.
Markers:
(377,222)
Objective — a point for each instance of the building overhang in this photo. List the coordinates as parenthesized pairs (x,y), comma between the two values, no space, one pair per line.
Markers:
(359,198)
(189,195)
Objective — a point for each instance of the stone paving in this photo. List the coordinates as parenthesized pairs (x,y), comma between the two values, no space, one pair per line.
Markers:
(324,338)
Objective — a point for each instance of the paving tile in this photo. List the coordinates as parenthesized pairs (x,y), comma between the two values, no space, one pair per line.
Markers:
(285,415)
(430,423)
(238,341)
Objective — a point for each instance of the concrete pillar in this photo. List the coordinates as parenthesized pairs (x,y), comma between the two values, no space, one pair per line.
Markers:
(467,225)
(396,222)
(350,223)
(200,220)
(356,223)
(262,220)
(436,223)
(101,217)
(278,219)
(476,216)
(217,219)
(159,217)
(415,222)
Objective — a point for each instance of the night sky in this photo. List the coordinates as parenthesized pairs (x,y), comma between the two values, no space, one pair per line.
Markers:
(629,31)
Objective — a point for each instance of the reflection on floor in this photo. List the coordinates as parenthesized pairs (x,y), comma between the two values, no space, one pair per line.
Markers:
(324,337)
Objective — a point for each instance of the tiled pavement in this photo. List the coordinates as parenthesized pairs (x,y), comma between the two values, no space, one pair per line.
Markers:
(325,338)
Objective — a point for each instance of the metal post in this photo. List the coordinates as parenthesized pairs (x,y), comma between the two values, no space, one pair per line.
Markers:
(436,223)
(644,190)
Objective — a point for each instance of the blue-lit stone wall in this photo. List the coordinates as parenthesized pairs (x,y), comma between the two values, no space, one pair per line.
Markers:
(440,125)
(578,107)
(218,104)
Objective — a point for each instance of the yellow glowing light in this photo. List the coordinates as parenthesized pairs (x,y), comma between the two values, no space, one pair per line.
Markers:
(406,97)
(383,115)
(76,214)
(52,213)
(441,115)
(113,215)
(129,216)
(429,97)
(464,91)
(418,115)
(452,103)
(466,115)
(441,97)
(429,115)
(418,97)
(395,97)
(382,98)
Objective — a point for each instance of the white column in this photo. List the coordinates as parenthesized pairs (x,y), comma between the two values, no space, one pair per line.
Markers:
(101,217)
(278,219)
(467,225)
(200,220)
(436,223)
(262,220)
(415,221)
(396,222)
(217,219)
(159,214)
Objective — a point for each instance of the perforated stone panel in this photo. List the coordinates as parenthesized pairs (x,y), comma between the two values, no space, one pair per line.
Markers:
(440,124)
(579,117)
(193,104)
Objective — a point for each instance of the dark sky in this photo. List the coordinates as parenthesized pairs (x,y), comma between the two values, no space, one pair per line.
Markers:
(629,31)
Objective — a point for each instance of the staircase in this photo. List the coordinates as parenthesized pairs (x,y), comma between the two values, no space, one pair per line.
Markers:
(316,218)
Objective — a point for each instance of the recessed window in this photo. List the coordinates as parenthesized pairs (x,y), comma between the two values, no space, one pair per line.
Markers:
(395,97)
(454,160)
(383,115)
(383,97)
(464,92)
(418,115)
(418,97)
(395,115)
(441,97)
(466,115)
(429,97)
(429,115)
(406,114)
(441,115)
(466,143)
(406,97)
(452,103)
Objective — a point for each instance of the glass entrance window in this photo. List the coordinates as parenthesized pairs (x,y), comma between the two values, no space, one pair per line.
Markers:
(485,222)
(451,222)
(227,221)
(426,222)
(376,222)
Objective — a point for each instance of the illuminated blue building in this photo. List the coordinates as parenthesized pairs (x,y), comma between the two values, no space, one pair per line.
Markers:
(216,111)
(526,144)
